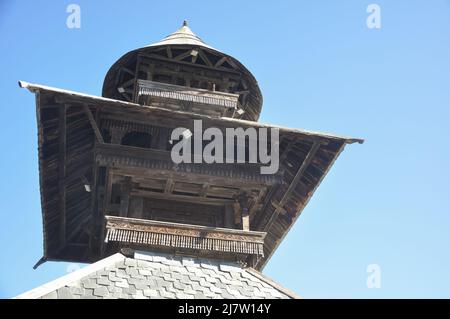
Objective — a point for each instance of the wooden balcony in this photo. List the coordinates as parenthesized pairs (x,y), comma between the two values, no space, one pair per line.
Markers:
(186,98)
(183,236)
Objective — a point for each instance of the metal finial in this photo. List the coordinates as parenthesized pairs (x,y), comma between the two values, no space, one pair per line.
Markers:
(185,23)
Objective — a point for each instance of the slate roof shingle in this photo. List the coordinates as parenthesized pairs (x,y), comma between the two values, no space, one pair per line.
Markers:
(153,275)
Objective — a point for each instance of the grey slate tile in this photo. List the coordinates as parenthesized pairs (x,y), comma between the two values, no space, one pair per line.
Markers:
(160,276)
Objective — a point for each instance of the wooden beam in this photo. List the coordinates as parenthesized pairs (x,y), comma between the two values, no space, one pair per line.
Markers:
(127,70)
(164,174)
(205,58)
(221,61)
(182,198)
(93,123)
(183,55)
(162,58)
(62,174)
(278,207)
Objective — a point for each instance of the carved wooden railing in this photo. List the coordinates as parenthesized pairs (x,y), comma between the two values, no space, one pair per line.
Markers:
(150,92)
(156,233)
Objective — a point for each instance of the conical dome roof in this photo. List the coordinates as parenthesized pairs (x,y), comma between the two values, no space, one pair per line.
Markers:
(183,36)
(170,50)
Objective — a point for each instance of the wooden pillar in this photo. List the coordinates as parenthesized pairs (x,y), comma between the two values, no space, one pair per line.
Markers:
(136,209)
(116,136)
(229,216)
(125,197)
(245,215)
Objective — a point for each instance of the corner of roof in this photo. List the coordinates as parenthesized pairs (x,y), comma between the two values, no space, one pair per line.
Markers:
(72,277)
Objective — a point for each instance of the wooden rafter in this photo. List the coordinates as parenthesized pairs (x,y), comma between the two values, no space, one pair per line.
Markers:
(125,69)
(221,61)
(287,149)
(280,205)
(205,58)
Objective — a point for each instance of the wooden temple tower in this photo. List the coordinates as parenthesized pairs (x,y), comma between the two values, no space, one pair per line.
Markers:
(107,180)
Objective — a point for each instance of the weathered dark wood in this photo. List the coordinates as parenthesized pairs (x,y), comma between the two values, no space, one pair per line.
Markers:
(62,174)
(182,198)
(91,119)
(125,198)
(312,152)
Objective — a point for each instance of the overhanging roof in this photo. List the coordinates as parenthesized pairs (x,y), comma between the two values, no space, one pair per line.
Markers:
(35,88)
(306,157)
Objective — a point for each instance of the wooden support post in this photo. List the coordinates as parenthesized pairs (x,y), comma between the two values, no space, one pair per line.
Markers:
(163,139)
(245,219)
(136,207)
(221,61)
(125,197)
(116,136)
(244,201)
(237,213)
(229,216)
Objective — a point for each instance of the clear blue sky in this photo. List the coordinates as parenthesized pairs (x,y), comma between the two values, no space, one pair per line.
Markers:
(385,202)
